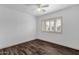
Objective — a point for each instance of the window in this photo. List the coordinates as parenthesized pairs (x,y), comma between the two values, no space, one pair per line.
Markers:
(47,27)
(52,25)
(58,25)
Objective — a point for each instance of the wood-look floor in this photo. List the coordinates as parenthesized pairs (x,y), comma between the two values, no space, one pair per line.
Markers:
(38,47)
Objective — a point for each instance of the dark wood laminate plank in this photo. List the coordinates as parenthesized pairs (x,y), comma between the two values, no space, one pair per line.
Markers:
(38,47)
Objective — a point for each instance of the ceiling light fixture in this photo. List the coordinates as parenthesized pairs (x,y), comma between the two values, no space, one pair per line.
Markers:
(41,7)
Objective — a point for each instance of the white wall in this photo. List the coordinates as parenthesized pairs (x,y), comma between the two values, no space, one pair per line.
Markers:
(70,35)
(15,27)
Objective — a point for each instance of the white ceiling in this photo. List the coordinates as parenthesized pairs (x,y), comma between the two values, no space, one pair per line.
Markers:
(32,8)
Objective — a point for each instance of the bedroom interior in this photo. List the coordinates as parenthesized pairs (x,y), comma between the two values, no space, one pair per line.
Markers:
(39,29)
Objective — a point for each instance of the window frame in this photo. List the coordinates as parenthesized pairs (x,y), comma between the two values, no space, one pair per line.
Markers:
(50,19)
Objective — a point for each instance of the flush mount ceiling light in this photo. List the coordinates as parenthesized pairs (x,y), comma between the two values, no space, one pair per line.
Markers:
(42,7)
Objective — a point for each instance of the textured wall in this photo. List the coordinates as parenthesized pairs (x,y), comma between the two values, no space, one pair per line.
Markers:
(70,35)
(15,27)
